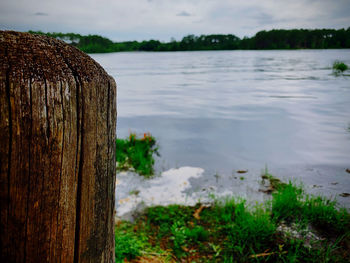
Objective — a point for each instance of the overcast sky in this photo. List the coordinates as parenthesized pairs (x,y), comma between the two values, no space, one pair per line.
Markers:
(122,20)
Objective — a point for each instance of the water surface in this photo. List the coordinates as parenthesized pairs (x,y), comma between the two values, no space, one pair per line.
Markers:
(231,110)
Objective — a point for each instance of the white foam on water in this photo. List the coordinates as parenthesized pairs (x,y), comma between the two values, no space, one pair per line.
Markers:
(164,190)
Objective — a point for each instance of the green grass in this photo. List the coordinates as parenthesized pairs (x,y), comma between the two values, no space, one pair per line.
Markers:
(324,215)
(231,231)
(127,244)
(287,203)
(133,241)
(247,231)
(292,204)
(136,153)
(339,67)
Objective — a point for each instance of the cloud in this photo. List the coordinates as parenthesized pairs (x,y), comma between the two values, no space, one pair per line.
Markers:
(122,20)
(264,18)
(41,14)
(183,13)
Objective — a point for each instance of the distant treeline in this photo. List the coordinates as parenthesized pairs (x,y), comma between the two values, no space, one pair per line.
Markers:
(273,39)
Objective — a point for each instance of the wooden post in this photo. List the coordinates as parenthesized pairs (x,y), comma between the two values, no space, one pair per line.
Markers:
(57,153)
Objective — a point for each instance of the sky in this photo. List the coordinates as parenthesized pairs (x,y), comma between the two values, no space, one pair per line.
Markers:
(122,20)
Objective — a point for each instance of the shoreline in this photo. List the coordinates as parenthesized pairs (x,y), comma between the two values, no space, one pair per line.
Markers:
(191,185)
(290,224)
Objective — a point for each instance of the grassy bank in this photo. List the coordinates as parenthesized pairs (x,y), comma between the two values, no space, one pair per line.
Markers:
(293,227)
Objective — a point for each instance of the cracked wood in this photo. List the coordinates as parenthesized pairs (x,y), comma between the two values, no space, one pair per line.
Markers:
(57,154)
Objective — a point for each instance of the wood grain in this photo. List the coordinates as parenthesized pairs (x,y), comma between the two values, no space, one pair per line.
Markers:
(57,152)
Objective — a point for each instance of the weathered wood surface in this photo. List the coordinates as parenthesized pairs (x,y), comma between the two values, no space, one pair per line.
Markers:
(57,153)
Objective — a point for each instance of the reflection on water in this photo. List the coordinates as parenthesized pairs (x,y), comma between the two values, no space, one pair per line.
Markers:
(229,110)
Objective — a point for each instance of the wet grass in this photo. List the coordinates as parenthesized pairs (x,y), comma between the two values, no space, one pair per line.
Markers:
(293,204)
(136,153)
(230,231)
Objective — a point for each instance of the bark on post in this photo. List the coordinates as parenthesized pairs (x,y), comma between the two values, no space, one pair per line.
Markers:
(57,153)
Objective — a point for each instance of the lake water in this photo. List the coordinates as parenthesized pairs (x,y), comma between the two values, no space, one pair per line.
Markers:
(225,111)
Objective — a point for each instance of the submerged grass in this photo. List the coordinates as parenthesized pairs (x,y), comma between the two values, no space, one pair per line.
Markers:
(274,182)
(230,231)
(136,153)
(339,66)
